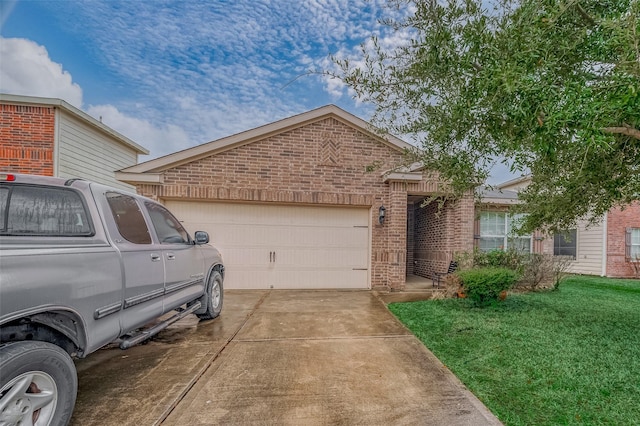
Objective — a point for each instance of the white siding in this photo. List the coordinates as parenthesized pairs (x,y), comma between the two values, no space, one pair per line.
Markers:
(83,151)
(589,258)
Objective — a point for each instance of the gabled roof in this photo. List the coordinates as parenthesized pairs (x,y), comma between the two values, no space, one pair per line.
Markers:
(86,118)
(153,167)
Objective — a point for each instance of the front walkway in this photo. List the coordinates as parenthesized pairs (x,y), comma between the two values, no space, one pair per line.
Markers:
(416,288)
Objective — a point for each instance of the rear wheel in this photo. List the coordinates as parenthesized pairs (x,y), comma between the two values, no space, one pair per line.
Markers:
(38,384)
(213,296)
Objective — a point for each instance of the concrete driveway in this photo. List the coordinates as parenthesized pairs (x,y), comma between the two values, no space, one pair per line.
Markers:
(282,358)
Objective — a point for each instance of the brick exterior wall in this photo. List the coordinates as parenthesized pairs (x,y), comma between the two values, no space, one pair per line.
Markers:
(27,139)
(618,221)
(411,239)
(439,233)
(321,163)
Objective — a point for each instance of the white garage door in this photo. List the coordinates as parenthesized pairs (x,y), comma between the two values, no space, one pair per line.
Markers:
(274,246)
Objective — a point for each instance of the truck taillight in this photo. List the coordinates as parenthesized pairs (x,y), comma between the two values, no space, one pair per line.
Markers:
(7,177)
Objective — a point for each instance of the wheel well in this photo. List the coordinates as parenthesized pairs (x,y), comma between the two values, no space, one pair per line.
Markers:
(220,268)
(60,328)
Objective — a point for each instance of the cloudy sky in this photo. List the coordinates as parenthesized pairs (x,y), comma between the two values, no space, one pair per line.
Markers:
(174,74)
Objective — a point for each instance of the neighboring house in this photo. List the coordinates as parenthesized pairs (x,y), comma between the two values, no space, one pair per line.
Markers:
(305,203)
(51,137)
(607,248)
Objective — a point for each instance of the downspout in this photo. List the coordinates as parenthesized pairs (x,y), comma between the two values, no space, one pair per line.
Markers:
(604,246)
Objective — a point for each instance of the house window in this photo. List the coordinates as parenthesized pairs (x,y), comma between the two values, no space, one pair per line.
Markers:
(496,232)
(633,243)
(565,243)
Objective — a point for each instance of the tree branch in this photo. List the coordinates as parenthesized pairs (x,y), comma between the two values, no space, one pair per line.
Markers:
(623,130)
(585,15)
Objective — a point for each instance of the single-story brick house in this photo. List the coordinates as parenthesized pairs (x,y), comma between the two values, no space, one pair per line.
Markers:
(609,247)
(50,137)
(299,203)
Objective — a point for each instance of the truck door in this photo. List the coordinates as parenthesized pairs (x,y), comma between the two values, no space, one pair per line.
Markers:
(142,262)
(184,263)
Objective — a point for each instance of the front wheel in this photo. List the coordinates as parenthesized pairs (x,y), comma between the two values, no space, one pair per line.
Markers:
(213,297)
(38,384)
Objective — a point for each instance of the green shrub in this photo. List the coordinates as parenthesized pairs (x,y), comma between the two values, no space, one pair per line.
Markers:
(511,259)
(484,285)
(535,270)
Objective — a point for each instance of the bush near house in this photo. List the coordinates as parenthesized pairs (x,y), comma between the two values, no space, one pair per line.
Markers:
(484,285)
(535,270)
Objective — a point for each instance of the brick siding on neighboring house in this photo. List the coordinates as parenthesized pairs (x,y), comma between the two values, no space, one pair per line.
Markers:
(618,221)
(27,139)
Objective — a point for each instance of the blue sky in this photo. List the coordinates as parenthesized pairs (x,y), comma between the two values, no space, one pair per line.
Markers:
(174,74)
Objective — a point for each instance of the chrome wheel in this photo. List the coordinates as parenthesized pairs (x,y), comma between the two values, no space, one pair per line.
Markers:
(28,399)
(215,295)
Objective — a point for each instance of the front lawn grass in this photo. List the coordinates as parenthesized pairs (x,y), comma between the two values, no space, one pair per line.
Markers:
(549,358)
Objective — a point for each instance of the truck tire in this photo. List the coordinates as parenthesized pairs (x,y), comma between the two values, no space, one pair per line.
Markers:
(213,296)
(38,384)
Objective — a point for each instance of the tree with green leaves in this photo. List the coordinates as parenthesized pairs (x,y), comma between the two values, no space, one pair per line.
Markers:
(549,87)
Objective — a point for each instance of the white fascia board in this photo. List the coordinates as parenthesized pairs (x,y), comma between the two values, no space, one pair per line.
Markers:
(403,177)
(142,178)
(499,201)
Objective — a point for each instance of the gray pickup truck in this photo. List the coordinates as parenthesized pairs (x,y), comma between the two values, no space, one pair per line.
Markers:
(83,265)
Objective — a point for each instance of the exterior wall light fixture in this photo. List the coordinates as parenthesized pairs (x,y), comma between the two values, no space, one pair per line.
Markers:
(381,214)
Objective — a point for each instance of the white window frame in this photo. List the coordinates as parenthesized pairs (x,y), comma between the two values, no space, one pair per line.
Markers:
(506,235)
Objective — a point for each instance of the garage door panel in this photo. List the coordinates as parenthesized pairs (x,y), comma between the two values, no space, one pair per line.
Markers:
(322,279)
(272,246)
(319,258)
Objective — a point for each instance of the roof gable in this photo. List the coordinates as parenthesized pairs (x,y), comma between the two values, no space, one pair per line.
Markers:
(260,133)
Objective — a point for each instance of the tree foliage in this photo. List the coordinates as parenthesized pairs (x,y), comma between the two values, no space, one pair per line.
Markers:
(550,87)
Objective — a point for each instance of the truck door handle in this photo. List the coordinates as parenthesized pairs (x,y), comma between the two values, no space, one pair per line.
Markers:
(171,256)
(155,257)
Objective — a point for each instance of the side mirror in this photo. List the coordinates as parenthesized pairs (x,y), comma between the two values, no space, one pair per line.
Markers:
(201,237)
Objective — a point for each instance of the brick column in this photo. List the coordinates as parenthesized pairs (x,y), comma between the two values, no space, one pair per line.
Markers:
(465,209)
(396,224)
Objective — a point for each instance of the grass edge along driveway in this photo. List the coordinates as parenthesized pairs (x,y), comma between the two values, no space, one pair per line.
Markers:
(559,357)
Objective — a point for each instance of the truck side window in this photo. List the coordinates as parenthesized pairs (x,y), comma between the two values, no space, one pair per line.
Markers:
(169,230)
(129,218)
(4,197)
(43,211)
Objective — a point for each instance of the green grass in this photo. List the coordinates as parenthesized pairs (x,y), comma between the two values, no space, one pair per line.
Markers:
(550,358)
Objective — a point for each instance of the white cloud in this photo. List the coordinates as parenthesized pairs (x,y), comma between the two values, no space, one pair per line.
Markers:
(27,70)
(185,73)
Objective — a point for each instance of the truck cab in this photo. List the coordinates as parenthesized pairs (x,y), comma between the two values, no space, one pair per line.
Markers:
(83,265)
